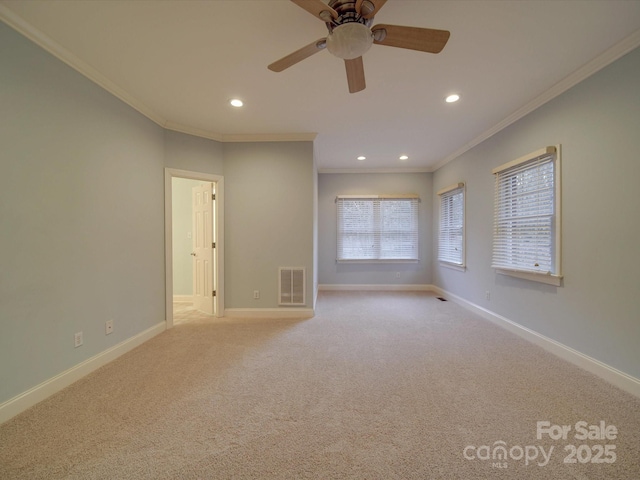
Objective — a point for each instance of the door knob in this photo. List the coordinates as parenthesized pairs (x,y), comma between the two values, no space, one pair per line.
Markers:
(193,254)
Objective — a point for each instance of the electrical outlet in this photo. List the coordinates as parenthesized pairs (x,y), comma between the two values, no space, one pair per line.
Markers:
(487,295)
(256,294)
(108,327)
(77,338)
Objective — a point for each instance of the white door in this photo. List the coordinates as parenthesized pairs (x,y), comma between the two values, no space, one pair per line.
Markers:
(203,258)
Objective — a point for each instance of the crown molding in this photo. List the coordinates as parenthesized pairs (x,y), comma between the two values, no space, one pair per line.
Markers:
(606,58)
(376,170)
(270,137)
(196,132)
(61,53)
(21,26)
(239,138)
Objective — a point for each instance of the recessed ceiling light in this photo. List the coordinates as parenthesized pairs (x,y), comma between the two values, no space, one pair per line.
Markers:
(362,157)
(452,98)
(236,102)
(404,157)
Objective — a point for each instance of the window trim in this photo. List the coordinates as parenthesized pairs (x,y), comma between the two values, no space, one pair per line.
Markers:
(550,278)
(441,193)
(409,196)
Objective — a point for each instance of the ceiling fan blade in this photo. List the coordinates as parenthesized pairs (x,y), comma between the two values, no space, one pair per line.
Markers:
(298,55)
(369,8)
(413,38)
(316,7)
(355,74)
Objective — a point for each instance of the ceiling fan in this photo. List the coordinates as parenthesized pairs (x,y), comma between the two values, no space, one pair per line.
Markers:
(351,35)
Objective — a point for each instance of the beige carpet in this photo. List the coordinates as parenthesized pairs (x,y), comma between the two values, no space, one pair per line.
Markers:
(376,386)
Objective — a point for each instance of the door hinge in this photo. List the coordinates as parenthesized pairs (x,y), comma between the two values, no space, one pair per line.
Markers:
(213,244)
(213,294)
(213,196)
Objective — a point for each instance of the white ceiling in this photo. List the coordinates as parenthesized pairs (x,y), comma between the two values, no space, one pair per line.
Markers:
(179,63)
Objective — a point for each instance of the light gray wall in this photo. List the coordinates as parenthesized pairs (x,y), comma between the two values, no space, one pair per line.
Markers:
(331,185)
(195,154)
(268,219)
(81,209)
(81,215)
(182,235)
(597,311)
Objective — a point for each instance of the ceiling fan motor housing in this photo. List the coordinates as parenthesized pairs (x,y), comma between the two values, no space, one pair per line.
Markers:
(346,10)
(350,34)
(350,40)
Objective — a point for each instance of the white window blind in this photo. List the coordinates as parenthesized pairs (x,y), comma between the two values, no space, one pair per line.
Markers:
(377,228)
(451,236)
(525,215)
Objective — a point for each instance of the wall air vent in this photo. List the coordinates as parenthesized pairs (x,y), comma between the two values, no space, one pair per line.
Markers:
(292,286)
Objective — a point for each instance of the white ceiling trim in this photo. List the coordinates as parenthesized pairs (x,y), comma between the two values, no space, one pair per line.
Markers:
(45,42)
(176,127)
(239,138)
(607,57)
(270,137)
(36,36)
(64,55)
(376,170)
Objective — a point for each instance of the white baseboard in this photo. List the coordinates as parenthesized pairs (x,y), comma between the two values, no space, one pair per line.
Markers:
(269,313)
(315,296)
(382,287)
(610,374)
(183,298)
(27,399)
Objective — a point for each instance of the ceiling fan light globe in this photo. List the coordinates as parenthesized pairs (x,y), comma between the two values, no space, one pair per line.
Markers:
(350,40)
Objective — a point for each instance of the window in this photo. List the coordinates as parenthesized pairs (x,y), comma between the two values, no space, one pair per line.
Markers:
(377,228)
(526,240)
(451,237)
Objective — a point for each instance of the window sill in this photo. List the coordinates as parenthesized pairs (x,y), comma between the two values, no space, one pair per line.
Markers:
(454,266)
(548,279)
(373,260)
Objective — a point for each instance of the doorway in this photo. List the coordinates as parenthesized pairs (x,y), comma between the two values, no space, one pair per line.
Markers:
(194,248)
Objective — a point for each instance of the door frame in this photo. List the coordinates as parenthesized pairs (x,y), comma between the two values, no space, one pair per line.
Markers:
(218,214)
